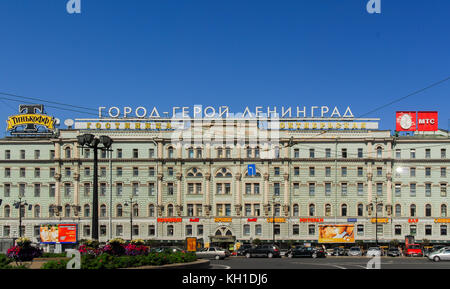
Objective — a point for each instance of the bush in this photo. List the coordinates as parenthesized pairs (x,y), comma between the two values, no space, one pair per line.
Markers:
(23,251)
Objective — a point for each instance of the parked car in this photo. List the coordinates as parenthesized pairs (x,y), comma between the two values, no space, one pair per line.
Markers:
(337,251)
(268,251)
(413,250)
(355,251)
(168,249)
(212,253)
(302,251)
(243,249)
(329,252)
(442,254)
(433,249)
(394,252)
(373,251)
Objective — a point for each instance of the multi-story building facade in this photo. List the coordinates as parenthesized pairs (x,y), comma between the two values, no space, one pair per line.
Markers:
(176,190)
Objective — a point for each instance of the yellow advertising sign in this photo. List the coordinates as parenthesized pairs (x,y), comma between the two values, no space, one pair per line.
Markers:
(277,220)
(37,119)
(191,244)
(380,220)
(222,220)
(336,234)
(442,220)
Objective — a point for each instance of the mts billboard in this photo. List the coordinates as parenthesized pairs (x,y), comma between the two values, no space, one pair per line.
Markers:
(416,121)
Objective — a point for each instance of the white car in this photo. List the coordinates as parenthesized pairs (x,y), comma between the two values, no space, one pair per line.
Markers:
(373,251)
(212,253)
(441,254)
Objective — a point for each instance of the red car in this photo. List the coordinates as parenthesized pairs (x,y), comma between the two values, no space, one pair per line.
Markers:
(414,250)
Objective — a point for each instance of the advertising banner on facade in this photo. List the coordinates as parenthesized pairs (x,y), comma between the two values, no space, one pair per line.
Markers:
(58,233)
(336,234)
(191,244)
(427,121)
(405,121)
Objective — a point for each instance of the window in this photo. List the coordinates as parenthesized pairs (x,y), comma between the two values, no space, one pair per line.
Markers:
(360,189)
(228,153)
(380,229)
(398,154)
(119,189)
(151,189)
(412,153)
(87,210)
(277,229)
(311,153)
(246,230)
(227,210)
(344,189)
(360,212)
(296,188)
(198,153)
(119,153)
(256,210)
(443,154)
(119,230)
(276,171)
(189,230)
(200,230)
(37,190)
(443,172)
(412,210)
(22,154)
(443,190)
(256,189)
(102,172)
(135,171)
(258,230)
(379,152)
(343,171)
(412,190)
(21,190)
(37,154)
(103,154)
(327,210)
(7,172)
(151,230)
(428,210)
(135,189)
(7,190)
(312,210)
(398,190)
(427,153)
(360,153)
(52,172)
(398,210)
(7,154)
(151,171)
(135,153)
(360,230)
(379,189)
(295,210)
(67,190)
(398,230)
(427,172)
(151,153)
(312,172)
(296,171)
(428,190)
(412,172)
(360,171)
(170,189)
(170,171)
(7,211)
(51,190)
(344,210)
(102,189)
(170,210)
(327,189)
(170,152)
(277,209)
(296,153)
(103,230)
(248,209)
(328,153)
(119,210)
(295,230)
(311,230)
(379,171)
(327,171)
(276,189)
(103,211)
(428,230)
(190,210)
(344,153)
(443,210)
(87,153)
(312,189)
(443,230)
(67,172)
(22,172)
(68,152)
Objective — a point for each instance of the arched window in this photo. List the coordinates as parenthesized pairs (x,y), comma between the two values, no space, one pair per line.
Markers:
(344,210)
(276,152)
(103,210)
(119,210)
(51,211)
(277,209)
(87,210)
(170,230)
(295,210)
(194,172)
(170,210)
(312,210)
(135,210)
(379,208)
(7,211)
(443,210)
(360,210)
(398,210)
(428,210)
(224,172)
(68,152)
(218,233)
(67,211)
(379,152)
(257,154)
(327,210)
(170,152)
(198,153)
(37,211)
(151,210)
(190,152)
(228,233)
(412,210)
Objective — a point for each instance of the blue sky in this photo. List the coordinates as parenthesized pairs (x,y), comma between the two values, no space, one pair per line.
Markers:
(168,53)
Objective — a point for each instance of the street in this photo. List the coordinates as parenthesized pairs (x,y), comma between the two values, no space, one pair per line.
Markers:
(326,263)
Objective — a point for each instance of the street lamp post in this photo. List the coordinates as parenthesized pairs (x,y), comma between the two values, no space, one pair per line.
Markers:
(376,220)
(273,220)
(90,141)
(18,205)
(131,216)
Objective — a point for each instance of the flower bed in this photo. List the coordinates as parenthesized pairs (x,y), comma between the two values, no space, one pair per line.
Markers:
(108,261)
(23,251)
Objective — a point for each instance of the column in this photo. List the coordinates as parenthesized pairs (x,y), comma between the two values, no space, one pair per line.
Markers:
(238,196)
(286,194)
(179,204)
(159,194)
(207,194)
